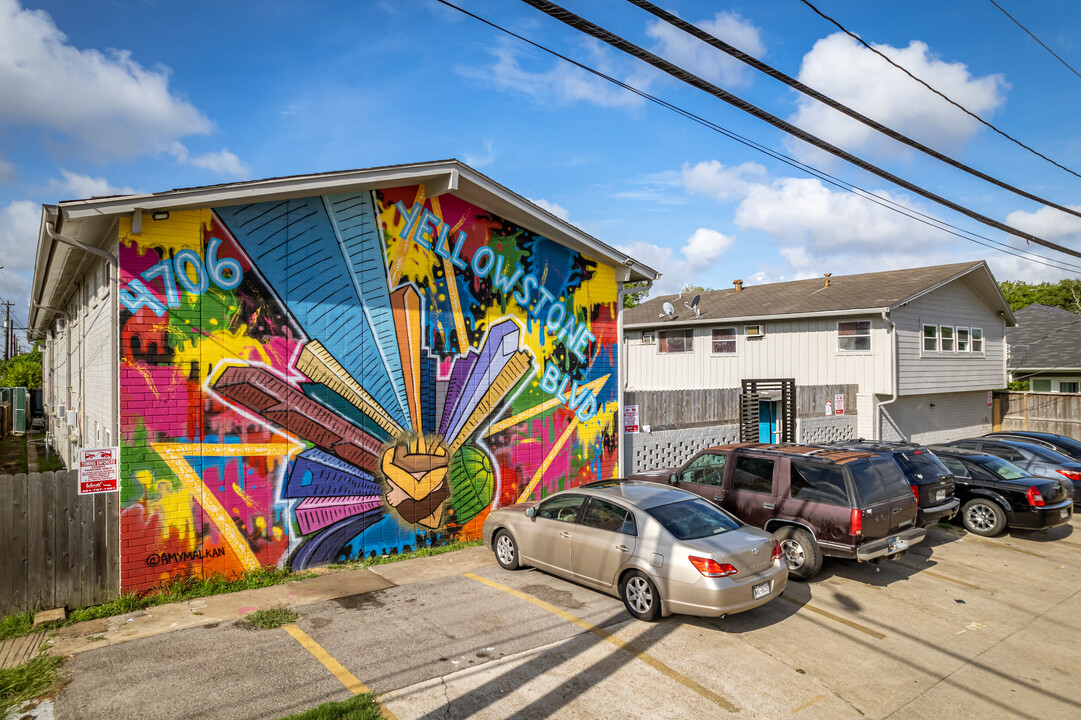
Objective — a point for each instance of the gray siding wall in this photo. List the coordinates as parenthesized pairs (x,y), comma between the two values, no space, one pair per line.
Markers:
(936,372)
(802,349)
(954,416)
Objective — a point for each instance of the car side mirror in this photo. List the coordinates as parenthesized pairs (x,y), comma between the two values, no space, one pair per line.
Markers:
(531,513)
(673,479)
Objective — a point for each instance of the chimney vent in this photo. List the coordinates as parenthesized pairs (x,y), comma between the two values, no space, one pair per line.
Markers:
(827,276)
(738,284)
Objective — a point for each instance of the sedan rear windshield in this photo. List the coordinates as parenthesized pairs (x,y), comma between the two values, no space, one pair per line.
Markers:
(1003,468)
(691,519)
(923,466)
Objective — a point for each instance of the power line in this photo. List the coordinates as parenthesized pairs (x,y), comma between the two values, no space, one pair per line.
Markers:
(579,23)
(911,213)
(957,105)
(791,82)
(1016,22)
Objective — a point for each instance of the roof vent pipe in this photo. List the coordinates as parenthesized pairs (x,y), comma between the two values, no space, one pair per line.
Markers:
(827,276)
(738,284)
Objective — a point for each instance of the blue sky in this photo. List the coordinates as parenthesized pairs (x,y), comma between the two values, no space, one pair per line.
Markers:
(113,97)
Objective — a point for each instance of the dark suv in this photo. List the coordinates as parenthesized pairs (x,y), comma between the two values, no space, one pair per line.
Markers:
(816,500)
(931,481)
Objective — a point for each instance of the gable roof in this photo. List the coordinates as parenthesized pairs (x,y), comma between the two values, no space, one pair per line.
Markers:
(91,221)
(1046,338)
(846,295)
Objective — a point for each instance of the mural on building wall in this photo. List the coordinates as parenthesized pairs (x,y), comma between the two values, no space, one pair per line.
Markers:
(313,380)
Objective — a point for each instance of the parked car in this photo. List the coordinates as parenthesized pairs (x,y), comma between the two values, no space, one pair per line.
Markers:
(931,481)
(817,501)
(995,494)
(1033,459)
(661,549)
(1059,443)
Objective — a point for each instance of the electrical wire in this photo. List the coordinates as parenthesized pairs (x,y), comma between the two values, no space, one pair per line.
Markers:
(713,41)
(620,43)
(957,105)
(797,164)
(1016,22)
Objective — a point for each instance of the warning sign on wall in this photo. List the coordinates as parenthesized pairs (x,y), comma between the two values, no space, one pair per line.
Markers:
(99,470)
(630,418)
(839,404)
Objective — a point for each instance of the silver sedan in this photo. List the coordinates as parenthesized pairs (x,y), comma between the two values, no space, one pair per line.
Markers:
(661,549)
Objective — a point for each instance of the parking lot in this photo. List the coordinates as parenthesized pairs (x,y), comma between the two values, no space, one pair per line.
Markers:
(961,626)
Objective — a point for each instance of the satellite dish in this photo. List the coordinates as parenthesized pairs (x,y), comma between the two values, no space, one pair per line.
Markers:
(668,309)
(693,305)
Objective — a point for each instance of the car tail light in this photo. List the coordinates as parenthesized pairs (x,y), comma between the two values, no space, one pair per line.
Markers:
(1035,499)
(916,493)
(776,554)
(1071,474)
(856,522)
(712,568)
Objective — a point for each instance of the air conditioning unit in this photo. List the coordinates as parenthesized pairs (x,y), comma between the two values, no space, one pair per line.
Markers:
(754,330)
(71,418)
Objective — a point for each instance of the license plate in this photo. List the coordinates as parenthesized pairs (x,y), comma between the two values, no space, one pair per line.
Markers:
(760,590)
(1064,513)
(940,495)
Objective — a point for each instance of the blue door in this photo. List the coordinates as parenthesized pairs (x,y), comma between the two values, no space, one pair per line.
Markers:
(767,421)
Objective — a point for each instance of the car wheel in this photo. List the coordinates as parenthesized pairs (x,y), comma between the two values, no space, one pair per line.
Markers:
(506,551)
(800,551)
(983,517)
(640,596)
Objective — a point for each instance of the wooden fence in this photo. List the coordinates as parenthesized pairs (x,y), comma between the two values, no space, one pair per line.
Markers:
(1041,412)
(57,548)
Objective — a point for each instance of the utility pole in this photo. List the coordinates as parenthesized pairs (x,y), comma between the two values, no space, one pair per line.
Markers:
(7,330)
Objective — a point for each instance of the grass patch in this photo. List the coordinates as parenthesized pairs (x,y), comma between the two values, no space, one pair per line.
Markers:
(421,552)
(358,707)
(13,455)
(177,590)
(40,676)
(272,617)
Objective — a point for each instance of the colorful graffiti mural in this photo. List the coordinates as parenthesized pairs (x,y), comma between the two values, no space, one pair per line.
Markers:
(312,380)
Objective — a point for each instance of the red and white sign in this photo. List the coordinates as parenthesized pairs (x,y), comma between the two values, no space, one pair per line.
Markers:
(630,419)
(990,398)
(99,470)
(839,404)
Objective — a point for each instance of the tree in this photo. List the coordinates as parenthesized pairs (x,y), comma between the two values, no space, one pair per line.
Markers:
(22,370)
(1065,294)
(634,293)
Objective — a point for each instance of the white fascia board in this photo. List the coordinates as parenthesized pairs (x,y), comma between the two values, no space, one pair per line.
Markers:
(1004,306)
(757,318)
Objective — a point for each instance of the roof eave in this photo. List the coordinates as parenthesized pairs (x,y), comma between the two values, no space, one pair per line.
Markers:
(760,318)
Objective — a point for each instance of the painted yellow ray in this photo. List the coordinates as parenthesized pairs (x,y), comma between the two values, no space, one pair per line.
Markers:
(452,287)
(545,406)
(511,374)
(402,249)
(322,367)
(524,497)
(176,457)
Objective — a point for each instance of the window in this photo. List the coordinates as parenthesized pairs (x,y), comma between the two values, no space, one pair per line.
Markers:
(724,341)
(562,507)
(706,469)
(604,515)
(878,480)
(977,340)
(676,341)
(691,519)
(962,339)
(1069,387)
(1005,452)
(752,473)
(930,338)
(854,336)
(1041,386)
(955,466)
(818,483)
(947,337)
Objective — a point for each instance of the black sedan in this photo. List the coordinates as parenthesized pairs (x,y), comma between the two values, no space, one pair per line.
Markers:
(1059,443)
(1032,458)
(996,494)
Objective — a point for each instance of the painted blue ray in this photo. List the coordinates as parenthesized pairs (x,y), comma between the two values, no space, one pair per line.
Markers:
(295,248)
(357,228)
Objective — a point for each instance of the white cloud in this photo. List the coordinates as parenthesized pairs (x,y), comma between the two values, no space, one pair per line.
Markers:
(558,210)
(654,189)
(715,180)
(108,104)
(19,235)
(696,258)
(709,63)
(850,73)
(563,83)
(7,171)
(1049,224)
(221,162)
(706,246)
(78,187)
(483,159)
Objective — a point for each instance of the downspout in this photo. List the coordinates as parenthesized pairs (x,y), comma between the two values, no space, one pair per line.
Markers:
(894,383)
(57,237)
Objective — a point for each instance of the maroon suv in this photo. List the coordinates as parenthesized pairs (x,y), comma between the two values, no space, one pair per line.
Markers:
(817,501)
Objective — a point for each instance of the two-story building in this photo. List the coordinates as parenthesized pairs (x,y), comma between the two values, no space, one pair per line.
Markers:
(904,354)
